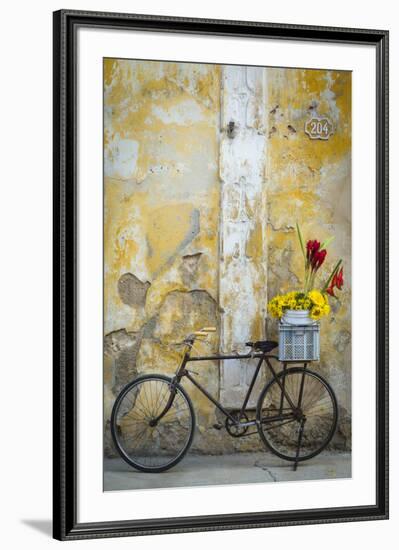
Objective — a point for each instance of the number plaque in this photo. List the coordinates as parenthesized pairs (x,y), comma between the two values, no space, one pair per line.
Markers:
(319,128)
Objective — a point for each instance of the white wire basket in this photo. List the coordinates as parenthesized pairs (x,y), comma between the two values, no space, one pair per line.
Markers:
(299,342)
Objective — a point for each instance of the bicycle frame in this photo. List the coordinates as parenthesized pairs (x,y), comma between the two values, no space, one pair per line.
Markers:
(263,357)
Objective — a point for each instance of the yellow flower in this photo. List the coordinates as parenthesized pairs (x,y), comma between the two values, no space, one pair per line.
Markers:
(314,301)
(326,309)
(307,304)
(316,313)
(317,298)
(275,307)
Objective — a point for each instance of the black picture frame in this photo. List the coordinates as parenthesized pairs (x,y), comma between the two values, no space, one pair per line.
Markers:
(65,24)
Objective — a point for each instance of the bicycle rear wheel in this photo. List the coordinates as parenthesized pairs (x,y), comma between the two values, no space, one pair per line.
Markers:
(316,401)
(152,423)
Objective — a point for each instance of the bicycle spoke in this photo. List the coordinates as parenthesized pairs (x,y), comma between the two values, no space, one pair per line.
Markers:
(165,400)
(140,409)
(136,437)
(134,422)
(160,398)
(148,407)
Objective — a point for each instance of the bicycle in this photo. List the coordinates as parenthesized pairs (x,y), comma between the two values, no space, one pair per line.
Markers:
(153,419)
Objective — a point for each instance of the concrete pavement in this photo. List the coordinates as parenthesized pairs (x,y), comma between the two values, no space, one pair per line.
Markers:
(201,470)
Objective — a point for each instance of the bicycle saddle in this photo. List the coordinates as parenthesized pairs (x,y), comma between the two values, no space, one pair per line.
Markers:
(262,345)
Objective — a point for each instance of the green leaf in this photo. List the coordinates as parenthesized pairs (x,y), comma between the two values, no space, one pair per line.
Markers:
(300,240)
(325,243)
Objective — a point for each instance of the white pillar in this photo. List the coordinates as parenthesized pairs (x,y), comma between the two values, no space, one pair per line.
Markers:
(242,291)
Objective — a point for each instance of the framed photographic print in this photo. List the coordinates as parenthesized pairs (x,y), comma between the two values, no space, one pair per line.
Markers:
(221,274)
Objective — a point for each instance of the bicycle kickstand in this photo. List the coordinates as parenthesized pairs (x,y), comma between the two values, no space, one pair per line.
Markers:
(299,444)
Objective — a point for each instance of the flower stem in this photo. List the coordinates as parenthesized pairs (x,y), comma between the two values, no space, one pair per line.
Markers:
(300,240)
(311,282)
(307,273)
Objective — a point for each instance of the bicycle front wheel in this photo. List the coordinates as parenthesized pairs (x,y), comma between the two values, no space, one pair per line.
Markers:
(152,423)
(279,423)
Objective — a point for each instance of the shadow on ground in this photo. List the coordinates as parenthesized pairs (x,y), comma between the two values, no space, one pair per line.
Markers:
(44,526)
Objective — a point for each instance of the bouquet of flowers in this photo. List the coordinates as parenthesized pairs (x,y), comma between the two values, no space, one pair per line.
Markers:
(310,298)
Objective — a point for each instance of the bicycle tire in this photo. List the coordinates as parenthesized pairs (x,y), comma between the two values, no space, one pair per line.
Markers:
(117,418)
(274,435)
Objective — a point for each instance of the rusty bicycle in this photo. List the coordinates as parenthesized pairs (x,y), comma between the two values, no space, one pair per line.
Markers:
(153,418)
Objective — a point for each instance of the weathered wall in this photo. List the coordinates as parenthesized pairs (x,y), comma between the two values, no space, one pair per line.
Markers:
(309,181)
(161,237)
(173,177)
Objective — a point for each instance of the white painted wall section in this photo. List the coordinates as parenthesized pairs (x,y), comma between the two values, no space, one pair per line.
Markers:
(242,291)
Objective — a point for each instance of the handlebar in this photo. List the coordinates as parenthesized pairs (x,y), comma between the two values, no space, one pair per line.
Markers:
(203,332)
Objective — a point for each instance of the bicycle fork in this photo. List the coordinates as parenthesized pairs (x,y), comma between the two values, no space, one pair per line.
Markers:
(175,380)
(153,422)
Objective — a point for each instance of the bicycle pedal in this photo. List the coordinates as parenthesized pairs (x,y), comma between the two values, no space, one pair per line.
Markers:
(218,426)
